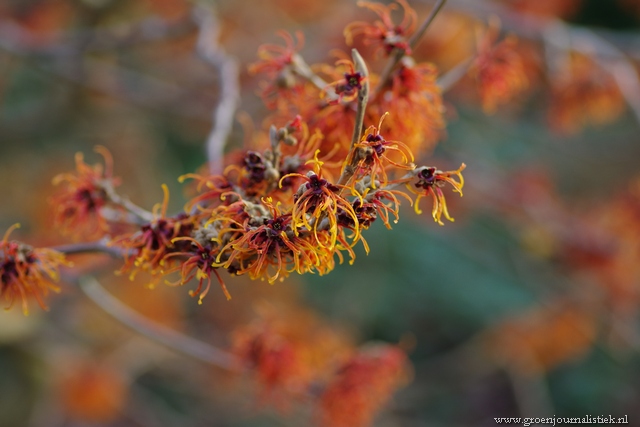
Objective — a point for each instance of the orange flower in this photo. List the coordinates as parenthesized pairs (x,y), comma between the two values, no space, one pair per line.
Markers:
(363,385)
(415,101)
(373,151)
(92,392)
(288,349)
(276,62)
(379,203)
(147,248)
(27,272)
(316,201)
(211,189)
(275,359)
(498,69)
(273,245)
(348,85)
(77,207)
(543,338)
(197,262)
(384,33)
(584,94)
(431,181)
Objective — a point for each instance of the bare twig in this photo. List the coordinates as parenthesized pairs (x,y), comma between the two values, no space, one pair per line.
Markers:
(385,75)
(167,337)
(142,214)
(531,394)
(453,76)
(210,51)
(152,29)
(302,69)
(363,96)
(100,246)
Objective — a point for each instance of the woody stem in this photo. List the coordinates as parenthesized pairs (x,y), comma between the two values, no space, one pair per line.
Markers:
(140,213)
(99,246)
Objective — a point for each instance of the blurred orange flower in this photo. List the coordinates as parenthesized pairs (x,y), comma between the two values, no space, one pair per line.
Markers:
(27,272)
(383,33)
(92,392)
(498,69)
(78,204)
(584,94)
(363,385)
(543,338)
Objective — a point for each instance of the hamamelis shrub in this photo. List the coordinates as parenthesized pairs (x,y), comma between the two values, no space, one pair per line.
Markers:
(341,153)
(346,143)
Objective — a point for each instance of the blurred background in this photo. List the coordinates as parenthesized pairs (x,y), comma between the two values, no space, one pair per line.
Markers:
(527,305)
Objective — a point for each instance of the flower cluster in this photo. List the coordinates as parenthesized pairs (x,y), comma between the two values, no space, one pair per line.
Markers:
(299,200)
(327,99)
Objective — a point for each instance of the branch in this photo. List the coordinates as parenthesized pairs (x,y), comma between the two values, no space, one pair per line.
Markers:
(212,53)
(165,336)
(143,215)
(99,246)
(449,79)
(302,69)
(531,394)
(399,53)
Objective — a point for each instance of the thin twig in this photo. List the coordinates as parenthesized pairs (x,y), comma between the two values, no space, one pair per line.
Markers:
(399,53)
(100,246)
(363,96)
(531,394)
(223,115)
(302,69)
(447,80)
(153,29)
(165,336)
(142,214)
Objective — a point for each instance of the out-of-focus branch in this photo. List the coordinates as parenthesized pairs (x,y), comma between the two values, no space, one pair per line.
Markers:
(399,53)
(167,337)
(531,394)
(447,80)
(153,29)
(61,62)
(100,246)
(210,51)
(142,214)
(301,68)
